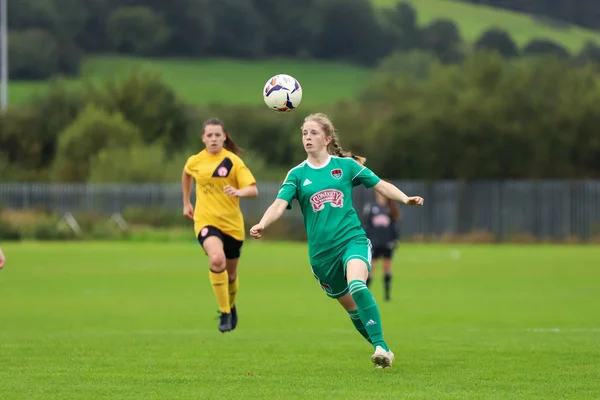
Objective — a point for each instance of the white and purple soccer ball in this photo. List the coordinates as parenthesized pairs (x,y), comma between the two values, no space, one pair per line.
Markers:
(282,93)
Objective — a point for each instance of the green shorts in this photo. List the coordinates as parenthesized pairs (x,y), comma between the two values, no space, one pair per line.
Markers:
(331,274)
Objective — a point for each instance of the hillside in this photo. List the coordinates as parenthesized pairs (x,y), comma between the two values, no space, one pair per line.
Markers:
(475,19)
(240,82)
(224,81)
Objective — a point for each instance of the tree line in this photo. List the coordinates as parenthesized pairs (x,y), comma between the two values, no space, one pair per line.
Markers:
(48,37)
(486,117)
(584,13)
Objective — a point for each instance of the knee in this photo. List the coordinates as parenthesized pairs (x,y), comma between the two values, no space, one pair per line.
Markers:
(217,262)
(232,275)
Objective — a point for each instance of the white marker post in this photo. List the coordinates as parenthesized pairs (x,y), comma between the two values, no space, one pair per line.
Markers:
(4,54)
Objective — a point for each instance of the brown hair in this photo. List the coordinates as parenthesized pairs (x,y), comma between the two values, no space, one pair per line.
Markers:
(229,143)
(394,210)
(333,147)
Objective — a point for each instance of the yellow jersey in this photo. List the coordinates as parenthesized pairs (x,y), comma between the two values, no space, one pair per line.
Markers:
(212,172)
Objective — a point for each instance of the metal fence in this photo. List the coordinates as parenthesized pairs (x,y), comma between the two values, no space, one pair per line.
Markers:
(542,209)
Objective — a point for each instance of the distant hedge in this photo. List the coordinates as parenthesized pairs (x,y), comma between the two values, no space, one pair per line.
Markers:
(487,117)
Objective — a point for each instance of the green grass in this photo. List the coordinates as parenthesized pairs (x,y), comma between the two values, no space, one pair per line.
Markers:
(468,322)
(473,20)
(224,81)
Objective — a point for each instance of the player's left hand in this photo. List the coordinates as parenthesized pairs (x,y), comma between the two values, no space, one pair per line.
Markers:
(256,231)
(415,201)
(231,191)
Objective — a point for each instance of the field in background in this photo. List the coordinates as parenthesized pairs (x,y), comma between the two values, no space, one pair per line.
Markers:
(223,81)
(240,82)
(473,20)
(510,322)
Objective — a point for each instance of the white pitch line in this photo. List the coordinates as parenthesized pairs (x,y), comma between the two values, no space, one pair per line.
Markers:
(562,330)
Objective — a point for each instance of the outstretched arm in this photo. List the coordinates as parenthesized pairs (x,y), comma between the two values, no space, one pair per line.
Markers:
(273,213)
(390,191)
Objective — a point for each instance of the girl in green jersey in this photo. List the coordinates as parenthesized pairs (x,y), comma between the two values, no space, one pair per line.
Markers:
(339,251)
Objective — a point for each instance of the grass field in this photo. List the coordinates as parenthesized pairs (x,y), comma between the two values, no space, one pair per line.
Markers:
(474,19)
(224,81)
(466,322)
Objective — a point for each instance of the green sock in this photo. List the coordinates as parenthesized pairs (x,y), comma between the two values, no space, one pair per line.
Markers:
(355,318)
(368,311)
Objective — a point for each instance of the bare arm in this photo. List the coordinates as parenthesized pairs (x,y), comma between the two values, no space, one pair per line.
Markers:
(248,191)
(390,191)
(273,213)
(186,189)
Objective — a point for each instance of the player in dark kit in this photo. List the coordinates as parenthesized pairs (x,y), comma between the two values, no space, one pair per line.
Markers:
(380,226)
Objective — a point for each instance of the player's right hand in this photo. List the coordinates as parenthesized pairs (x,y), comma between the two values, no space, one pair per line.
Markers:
(256,231)
(188,211)
(2,259)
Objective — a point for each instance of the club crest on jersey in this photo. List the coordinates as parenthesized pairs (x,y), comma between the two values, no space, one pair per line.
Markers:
(332,196)
(222,171)
(336,173)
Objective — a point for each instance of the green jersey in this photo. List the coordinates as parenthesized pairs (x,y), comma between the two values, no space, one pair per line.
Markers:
(325,198)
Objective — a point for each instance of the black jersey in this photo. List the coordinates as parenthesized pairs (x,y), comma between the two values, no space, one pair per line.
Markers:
(379,225)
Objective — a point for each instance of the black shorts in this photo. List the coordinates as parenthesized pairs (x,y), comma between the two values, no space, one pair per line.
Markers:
(384,251)
(232,247)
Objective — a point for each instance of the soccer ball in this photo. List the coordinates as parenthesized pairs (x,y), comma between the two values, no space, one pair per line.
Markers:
(282,93)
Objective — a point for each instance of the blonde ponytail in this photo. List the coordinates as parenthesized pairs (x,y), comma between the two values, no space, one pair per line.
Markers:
(333,147)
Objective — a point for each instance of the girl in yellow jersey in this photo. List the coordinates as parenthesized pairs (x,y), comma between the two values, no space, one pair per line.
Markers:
(221,179)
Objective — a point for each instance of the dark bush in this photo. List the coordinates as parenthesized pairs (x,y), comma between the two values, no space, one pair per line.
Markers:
(545,47)
(137,30)
(8,231)
(33,54)
(498,40)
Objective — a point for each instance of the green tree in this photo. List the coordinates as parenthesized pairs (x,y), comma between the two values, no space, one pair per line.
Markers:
(137,30)
(288,25)
(498,40)
(339,38)
(401,27)
(135,164)
(146,101)
(33,54)
(239,29)
(190,23)
(52,110)
(487,118)
(545,47)
(442,36)
(61,20)
(92,131)
(414,64)
(21,148)
(589,54)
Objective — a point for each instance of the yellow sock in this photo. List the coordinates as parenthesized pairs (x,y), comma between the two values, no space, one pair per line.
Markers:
(219,283)
(233,288)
